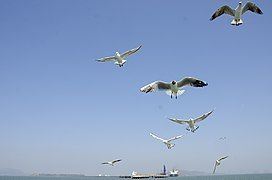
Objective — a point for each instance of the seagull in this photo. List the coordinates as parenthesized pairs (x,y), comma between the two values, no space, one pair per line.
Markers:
(167,142)
(112,162)
(237,13)
(222,138)
(119,58)
(218,162)
(173,88)
(192,122)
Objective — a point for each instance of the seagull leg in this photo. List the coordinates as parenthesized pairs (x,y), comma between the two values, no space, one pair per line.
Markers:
(171,96)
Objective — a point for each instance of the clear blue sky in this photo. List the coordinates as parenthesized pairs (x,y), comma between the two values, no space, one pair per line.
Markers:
(62,112)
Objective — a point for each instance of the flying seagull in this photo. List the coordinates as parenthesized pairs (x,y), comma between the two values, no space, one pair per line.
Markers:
(237,13)
(174,87)
(119,58)
(167,142)
(222,138)
(218,162)
(192,122)
(112,162)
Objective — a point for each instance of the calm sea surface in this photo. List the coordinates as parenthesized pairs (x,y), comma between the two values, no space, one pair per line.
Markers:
(216,177)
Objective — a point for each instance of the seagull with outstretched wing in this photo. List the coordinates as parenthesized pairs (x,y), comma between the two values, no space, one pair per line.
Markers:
(118,58)
(112,162)
(218,162)
(174,87)
(191,122)
(167,142)
(237,13)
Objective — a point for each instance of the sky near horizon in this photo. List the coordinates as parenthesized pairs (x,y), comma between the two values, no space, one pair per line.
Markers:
(63,112)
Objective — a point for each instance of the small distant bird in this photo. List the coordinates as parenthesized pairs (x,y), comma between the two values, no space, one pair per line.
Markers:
(167,142)
(192,122)
(218,162)
(237,13)
(222,138)
(119,58)
(112,162)
(173,88)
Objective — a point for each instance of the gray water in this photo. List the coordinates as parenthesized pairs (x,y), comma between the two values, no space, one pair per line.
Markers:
(214,177)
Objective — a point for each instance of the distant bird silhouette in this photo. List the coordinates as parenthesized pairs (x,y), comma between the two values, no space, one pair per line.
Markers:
(218,162)
(192,122)
(119,58)
(112,162)
(167,142)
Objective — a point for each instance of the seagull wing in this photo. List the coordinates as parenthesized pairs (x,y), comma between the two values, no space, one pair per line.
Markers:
(222,158)
(156,137)
(116,160)
(214,169)
(179,121)
(105,59)
(251,7)
(129,52)
(190,81)
(105,163)
(154,86)
(174,138)
(223,10)
(202,117)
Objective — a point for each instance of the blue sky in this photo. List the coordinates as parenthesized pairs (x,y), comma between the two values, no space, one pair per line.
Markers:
(62,112)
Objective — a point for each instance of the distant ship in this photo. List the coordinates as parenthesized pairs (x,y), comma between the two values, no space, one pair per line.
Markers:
(173,173)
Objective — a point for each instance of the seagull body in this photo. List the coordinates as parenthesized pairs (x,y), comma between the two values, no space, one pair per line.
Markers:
(119,58)
(112,162)
(218,162)
(167,142)
(192,123)
(237,13)
(174,87)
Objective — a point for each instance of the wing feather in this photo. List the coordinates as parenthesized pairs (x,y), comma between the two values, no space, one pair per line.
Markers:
(117,160)
(223,158)
(223,10)
(105,59)
(129,52)
(174,138)
(251,7)
(156,137)
(190,81)
(202,117)
(157,85)
(214,169)
(179,121)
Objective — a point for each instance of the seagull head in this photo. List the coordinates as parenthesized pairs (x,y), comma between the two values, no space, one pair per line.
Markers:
(117,53)
(174,82)
(240,2)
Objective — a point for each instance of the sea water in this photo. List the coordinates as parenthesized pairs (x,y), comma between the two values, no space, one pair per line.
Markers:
(214,177)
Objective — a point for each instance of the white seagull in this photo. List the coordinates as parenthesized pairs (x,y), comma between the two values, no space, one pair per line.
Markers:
(218,162)
(112,162)
(167,142)
(192,122)
(119,58)
(174,87)
(236,13)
